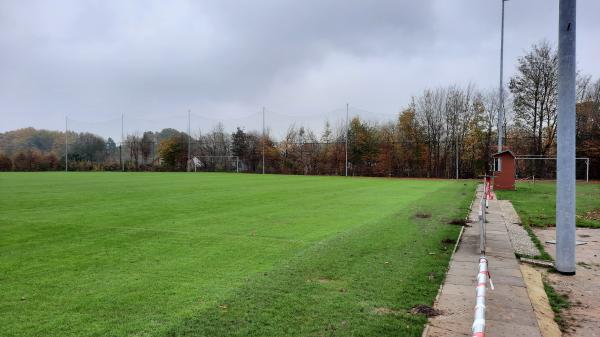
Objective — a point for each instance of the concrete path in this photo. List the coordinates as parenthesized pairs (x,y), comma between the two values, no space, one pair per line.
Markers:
(509,311)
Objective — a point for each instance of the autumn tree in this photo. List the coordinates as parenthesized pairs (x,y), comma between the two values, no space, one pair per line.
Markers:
(173,153)
(363,146)
(5,163)
(411,140)
(588,126)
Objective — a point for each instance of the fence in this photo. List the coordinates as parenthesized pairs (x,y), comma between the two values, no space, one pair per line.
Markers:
(483,276)
(483,204)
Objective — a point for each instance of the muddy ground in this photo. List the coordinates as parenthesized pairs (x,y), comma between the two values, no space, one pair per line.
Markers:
(583,289)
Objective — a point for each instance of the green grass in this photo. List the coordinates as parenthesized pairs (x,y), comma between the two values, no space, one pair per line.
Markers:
(558,303)
(536,241)
(176,254)
(536,203)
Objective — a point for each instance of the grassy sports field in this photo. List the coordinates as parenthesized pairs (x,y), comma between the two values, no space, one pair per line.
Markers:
(178,254)
(536,203)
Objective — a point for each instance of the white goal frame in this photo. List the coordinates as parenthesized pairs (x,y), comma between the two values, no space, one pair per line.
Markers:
(587,162)
(196,161)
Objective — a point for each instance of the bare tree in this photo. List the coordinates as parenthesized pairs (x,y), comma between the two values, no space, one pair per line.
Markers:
(534,90)
(431,108)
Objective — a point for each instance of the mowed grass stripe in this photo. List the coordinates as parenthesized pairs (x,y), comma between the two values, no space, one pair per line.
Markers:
(362,282)
(91,254)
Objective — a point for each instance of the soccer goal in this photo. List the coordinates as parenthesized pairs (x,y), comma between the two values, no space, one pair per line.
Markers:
(538,167)
(216,163)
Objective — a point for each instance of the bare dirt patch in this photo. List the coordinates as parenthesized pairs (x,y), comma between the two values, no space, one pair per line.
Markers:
(448,241)
(457,222)
(422,215)
(425,310)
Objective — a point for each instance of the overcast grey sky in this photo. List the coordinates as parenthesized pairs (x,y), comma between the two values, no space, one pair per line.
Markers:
(94,60)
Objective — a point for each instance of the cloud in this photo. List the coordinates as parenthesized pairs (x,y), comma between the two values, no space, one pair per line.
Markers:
(94,60)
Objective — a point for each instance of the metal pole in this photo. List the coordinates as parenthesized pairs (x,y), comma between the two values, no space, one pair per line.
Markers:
(456,144)
(237,164)
(587,170)
(154,145)
(189,157)
(263,140)
(565,180)
(66,144)
(347,132)
(501,91)
(121,148)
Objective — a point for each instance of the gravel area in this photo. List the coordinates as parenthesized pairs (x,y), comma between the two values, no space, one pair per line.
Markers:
(519,238)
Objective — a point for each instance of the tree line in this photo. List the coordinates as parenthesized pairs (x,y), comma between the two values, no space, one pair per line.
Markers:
(444,132)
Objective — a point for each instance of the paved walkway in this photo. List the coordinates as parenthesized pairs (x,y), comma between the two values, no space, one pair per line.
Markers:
(508,309)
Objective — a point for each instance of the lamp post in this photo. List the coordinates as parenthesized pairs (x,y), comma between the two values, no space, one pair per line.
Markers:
(501,90)
(565,163)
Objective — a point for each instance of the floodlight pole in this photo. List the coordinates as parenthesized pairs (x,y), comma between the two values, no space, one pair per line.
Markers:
(121,147)
(154,146)
(501,91)
(66,144)
(456,145)
(346,140)
(190,141)
(565,178)
(263,140)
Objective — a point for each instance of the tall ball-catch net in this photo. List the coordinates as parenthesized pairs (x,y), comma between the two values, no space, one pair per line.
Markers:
(539,167)
(215,164)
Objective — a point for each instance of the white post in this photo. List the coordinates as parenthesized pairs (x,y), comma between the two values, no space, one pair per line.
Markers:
(347,133)
(121,152)
(263,140)
(565,179)
(587,170)
(66,144)
(189,157)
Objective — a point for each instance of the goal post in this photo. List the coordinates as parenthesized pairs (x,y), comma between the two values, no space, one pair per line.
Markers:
(216,163)
(584,160)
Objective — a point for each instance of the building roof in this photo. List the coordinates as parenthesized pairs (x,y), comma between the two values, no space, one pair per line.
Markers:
(509,152)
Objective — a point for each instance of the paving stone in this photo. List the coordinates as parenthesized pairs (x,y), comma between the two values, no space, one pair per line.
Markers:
(503,329)
(434,331)
(508,308)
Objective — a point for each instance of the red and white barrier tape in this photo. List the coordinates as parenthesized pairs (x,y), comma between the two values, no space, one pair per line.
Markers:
(478,327)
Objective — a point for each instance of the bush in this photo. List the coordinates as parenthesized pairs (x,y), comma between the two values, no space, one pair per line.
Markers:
(112,166)
(28,161)
(5,163)
(48,162)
